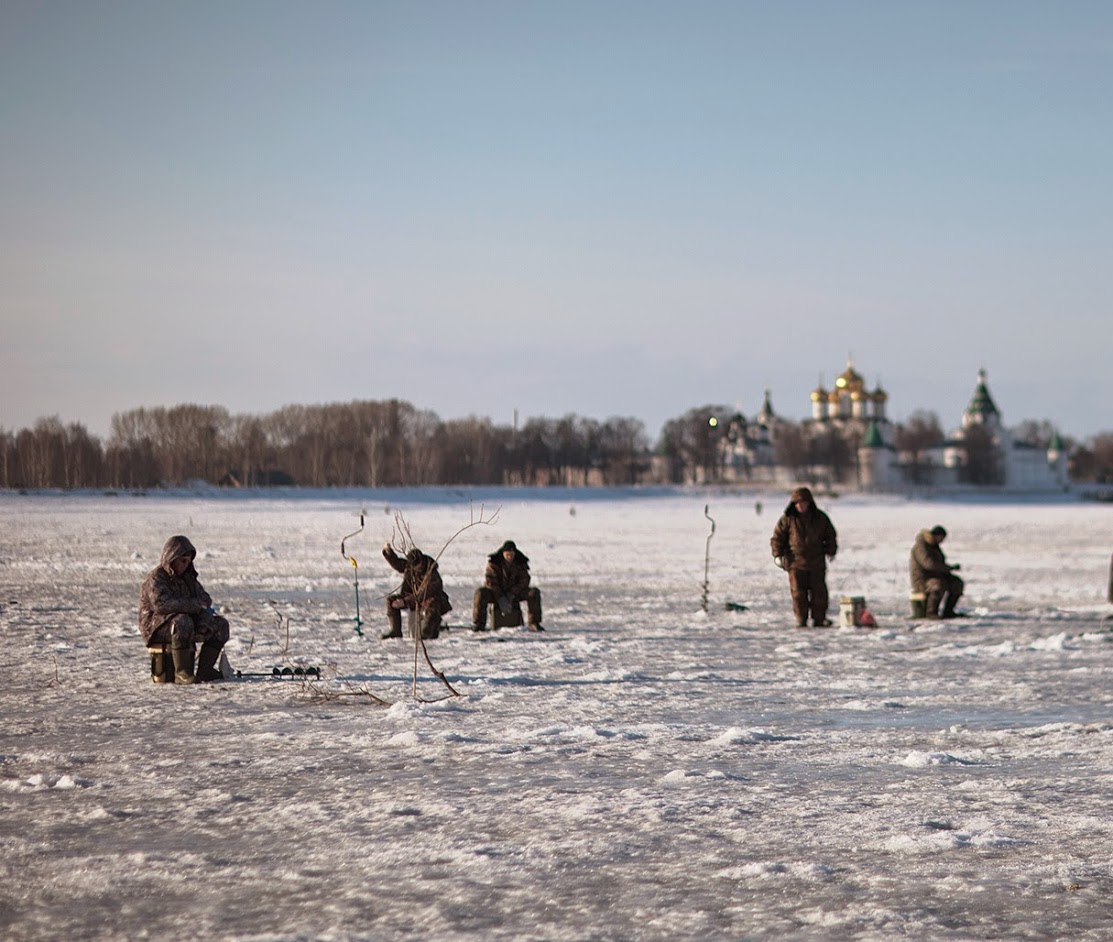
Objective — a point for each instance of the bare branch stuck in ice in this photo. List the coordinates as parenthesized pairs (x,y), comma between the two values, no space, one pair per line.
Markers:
(402,538)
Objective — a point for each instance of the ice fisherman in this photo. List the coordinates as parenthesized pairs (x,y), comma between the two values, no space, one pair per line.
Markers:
(506,584)
(422,591)
(803,540)
(932,575)
(175,609)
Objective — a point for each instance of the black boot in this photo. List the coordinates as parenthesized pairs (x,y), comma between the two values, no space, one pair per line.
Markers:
(206,663)
(949,607)
(183,664)
(479,611)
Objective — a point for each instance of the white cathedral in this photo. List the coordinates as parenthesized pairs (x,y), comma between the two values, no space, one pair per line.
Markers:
(856,412)
(1018,466)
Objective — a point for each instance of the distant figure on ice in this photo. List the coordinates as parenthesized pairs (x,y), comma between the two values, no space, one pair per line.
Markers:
(932,575)
(506,584)
(803,540)
(422,591)
(175,609)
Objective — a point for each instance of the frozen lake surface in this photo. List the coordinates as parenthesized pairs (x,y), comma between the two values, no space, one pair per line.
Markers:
(641,770)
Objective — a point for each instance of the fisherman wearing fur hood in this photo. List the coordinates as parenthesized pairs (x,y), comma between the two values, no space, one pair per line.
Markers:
(931,574)
(175,609)
(803,540)
(506,584)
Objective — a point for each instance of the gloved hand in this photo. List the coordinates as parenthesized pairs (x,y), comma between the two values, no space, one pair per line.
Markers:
(504,604)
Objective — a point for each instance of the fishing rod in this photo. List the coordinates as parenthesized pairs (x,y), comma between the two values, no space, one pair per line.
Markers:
(355,572)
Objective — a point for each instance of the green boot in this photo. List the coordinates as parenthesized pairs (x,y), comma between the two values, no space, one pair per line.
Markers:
(183,664)
(430,625)
(162,668)
(206,663)
(931,605)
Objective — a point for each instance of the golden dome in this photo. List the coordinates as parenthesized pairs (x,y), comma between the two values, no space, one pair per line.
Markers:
(849,380)
(819,394)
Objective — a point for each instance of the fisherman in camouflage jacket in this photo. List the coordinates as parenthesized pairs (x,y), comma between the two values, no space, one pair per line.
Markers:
(422,590)
(506,584)
(175,609)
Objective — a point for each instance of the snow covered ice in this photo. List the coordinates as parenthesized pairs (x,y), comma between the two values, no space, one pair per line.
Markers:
(641,770)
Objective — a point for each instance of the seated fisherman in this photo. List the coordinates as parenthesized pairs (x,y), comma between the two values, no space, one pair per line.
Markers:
(175,609)
(506,584)
(422,591)
(932,575)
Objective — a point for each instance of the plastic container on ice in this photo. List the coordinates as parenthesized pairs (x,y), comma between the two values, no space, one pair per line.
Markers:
(850,610)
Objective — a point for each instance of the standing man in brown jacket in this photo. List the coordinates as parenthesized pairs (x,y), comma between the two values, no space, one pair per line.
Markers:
(803,540)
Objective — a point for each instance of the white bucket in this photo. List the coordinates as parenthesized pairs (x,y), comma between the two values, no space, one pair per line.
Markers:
(850,610)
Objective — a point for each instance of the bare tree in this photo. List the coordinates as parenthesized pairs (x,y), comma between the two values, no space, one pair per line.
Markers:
(834,449)
(791,448)
(1033,432)
(1094,461)
(983,464)
(914,437)
(402,538)
(83,458)
(692,443)
(624,450)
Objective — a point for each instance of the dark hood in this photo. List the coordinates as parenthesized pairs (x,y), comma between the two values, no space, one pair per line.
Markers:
(176,546)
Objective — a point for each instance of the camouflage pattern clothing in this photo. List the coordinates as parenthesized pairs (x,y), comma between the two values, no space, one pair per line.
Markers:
(930,573)
(422,590)
(175,607)
(506,583)
(802,542)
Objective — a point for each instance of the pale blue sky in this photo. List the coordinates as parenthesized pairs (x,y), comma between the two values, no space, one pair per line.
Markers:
(605,208)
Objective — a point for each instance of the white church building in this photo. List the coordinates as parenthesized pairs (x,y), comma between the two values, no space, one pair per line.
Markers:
(1017,466)
(981,452)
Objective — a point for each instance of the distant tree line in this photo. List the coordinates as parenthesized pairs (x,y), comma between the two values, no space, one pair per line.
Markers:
(356,444)
(391,443)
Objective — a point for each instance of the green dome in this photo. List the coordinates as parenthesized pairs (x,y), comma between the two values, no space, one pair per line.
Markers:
(981,403)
